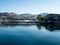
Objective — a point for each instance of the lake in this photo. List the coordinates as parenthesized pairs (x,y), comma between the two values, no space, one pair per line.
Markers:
(30,35)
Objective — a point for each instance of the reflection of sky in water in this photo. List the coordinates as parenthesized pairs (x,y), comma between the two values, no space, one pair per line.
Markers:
(29,35)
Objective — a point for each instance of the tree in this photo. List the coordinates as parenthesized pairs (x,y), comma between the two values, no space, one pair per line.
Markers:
(39,16)
(42,18)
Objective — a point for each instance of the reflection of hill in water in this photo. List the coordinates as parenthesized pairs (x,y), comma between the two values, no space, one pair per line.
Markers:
(50,27)
(13,25)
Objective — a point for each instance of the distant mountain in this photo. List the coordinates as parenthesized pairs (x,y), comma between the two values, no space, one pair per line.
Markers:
(7,14)
(44,14)
(14,16)
(26,14)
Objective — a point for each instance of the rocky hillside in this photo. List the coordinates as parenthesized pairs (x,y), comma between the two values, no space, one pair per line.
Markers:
(14,16)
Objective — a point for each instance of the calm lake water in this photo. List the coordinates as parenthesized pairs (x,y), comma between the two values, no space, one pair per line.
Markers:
(30,35)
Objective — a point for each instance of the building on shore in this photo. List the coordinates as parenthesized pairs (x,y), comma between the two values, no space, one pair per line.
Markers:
(53,18)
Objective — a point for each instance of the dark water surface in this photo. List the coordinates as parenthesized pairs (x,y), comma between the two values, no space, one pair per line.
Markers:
(30,35)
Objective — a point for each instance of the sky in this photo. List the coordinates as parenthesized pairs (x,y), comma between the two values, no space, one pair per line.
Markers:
(30,6)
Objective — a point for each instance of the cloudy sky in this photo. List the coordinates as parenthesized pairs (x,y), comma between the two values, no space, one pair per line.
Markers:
(30,6)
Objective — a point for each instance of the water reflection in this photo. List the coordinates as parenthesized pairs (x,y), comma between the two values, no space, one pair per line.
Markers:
(38,26)
(29,34)
(14,25)
(50,27)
